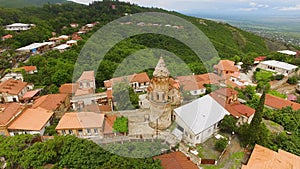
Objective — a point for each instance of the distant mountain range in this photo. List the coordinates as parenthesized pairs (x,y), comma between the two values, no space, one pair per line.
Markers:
(26,3)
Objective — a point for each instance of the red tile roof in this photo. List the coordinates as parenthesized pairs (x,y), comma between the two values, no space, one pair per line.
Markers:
(238,110)
(195,82)
(176,160)
(279,103)
(31,120)
(50,102)
(12,86)
(31,94)
(87,75)
(8,36)
(264,158)
(140,78)
(225,92)
(8,112)
(68,88)
(226,65)
(261,58)
(105,108)
(80,120)
(109,122)
(29,68)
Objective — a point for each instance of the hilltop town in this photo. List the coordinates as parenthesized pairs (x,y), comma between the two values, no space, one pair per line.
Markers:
(241,113)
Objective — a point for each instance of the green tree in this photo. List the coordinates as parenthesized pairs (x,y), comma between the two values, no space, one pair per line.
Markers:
(221,144)
(228,124)
(121,125)
(292,80)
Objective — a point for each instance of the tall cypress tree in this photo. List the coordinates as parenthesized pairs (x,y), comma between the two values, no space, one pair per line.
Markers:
(257,130)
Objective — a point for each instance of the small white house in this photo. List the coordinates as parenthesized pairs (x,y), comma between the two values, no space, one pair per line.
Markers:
(198,120)
(18,27)
(15,76)
(278,67)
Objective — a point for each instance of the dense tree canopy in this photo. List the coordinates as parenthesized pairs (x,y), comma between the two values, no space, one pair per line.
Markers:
(65,151)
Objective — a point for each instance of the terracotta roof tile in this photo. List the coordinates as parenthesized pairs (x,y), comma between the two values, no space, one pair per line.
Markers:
(12,86)
(225,92)
(109,122)
(31,94)
(279,103)
(87,75)
(79,120)
(176,160)
(8,112)
(29,68)
(264,158)
(68,88)
(140,77)
(50,102)
(226,65)
(196,82)
(105,108)
(31,120)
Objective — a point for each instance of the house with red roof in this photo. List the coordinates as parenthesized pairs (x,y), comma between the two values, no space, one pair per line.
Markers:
(31,95)
(31,121)
(274,102)
(58,103)
(226,67)
(139,82)
(68,88)
(5,37)
(228,98)
(81,124)
(195,84)
(30,69)
(259,59)
(264,158)
(12,90)
(8,112)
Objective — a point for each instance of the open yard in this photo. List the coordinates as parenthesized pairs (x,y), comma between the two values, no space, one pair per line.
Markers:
(231,159)
(207,149)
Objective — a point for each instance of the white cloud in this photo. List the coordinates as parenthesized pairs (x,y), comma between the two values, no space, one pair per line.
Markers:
(253,4)
(291,8)
(247,9)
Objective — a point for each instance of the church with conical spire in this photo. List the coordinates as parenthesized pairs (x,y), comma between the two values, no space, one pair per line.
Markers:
(163,93)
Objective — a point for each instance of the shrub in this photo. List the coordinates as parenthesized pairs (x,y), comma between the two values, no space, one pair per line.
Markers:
(292,80)
(221,144)
(278,77)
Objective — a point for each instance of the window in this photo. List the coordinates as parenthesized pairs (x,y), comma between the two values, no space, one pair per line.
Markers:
(197,137)
(88,130)
(96,131)
(70,131)
(63,132)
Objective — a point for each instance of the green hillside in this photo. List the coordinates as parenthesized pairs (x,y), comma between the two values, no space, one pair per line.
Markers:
(26,3)
(230,42)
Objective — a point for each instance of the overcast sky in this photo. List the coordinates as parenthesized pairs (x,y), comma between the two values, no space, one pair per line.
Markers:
(222,6)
